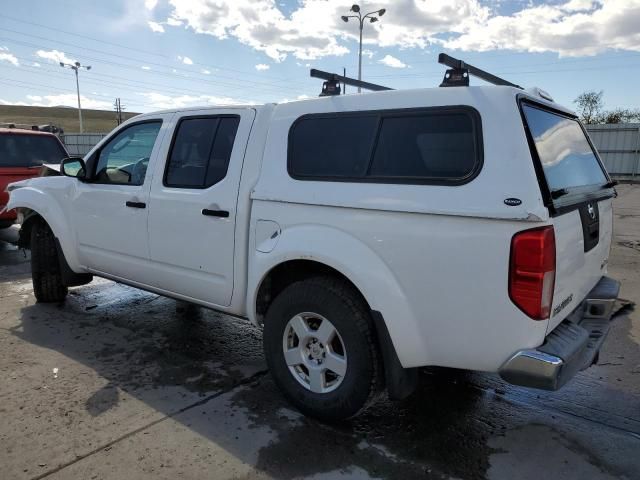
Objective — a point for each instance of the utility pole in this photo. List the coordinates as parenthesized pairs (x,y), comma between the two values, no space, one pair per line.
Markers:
(373,17)
(76,67)
(344,85)
(118,108)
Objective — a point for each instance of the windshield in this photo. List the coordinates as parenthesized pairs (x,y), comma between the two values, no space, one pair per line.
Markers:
(567,158)
(24,150)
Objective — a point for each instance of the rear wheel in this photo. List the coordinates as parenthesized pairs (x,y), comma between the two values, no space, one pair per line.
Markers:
(45,266)
(319,345)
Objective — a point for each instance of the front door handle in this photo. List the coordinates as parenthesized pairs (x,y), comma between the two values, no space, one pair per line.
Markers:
(136,204)
(215,213)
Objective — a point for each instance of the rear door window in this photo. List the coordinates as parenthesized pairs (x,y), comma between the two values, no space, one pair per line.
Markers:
(567,158)
(24,150)
(199,157)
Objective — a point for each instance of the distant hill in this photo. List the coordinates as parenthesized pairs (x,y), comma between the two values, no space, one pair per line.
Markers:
(94,121)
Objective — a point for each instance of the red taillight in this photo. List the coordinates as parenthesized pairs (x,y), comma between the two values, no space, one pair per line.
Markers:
(532,271)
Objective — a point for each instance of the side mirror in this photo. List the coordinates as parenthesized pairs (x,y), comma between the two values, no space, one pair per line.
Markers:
(74,167)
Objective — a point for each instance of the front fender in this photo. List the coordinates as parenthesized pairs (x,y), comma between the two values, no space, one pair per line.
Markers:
(356,261)
(48,206)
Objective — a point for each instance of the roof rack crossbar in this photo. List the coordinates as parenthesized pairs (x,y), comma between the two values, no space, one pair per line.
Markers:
(459,65)
(332,87)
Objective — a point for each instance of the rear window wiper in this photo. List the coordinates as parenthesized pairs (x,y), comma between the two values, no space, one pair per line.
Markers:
(560,192)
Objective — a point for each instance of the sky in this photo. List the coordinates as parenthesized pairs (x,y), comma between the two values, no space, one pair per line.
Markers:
(157,54)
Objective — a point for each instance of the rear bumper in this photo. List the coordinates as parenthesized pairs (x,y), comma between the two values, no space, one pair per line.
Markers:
(572,346)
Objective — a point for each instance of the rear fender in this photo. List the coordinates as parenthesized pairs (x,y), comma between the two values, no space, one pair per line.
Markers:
(357,262)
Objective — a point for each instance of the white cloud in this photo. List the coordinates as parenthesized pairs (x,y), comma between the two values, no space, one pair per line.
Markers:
(35,64)
(368,53)
(573,28)
(205,71)
(6,56)
(155,26)
(185,60)
(150,4)
(160,100)
(145,67)
(66,100)
(172,22)
(308,33)
(54,56)
(262,66)
(314,29)
(393,62)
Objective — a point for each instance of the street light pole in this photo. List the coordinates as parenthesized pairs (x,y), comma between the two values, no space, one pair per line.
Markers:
(76,67)
(360,54)
(373,17)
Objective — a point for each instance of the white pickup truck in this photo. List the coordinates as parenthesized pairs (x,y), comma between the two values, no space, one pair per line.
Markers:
(371,234)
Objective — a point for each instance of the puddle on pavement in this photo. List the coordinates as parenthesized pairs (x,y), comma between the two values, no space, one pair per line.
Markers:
(434,434)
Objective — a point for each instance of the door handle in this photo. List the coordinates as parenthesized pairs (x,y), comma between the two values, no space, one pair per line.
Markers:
(215,213)
(136,204)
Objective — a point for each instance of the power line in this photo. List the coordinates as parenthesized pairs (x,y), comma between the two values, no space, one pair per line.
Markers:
(118,81)
(25,86)
(260,85)
(215,67)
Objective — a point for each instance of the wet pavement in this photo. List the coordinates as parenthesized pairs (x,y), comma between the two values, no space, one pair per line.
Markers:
(119,383)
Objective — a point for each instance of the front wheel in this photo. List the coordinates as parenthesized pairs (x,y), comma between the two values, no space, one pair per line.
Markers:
(45,266)
(320,348)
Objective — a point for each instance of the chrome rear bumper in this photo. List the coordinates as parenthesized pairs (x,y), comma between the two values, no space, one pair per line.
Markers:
(572,346)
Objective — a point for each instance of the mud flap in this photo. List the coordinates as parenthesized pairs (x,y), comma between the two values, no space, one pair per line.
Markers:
(69,277)
(400,382)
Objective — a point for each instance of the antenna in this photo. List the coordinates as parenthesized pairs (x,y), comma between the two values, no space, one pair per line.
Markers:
(458,75)
(332,85)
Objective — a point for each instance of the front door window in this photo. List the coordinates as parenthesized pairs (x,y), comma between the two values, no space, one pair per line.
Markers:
(124,159)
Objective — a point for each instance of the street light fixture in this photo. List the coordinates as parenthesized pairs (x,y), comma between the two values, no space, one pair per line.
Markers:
(75,67)
(373,17)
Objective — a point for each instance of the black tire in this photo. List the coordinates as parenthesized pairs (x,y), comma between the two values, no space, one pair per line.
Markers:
(337,301)
(45,266)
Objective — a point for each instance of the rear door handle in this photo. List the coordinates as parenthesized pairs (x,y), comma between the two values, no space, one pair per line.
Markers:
(136,204)
(215,213)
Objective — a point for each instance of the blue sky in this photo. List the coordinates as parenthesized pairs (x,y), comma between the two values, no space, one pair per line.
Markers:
(164,53)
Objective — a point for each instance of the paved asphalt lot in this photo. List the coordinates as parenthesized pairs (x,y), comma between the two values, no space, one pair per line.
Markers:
(118,383)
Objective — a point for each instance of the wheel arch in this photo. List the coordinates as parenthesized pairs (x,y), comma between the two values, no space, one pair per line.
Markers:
(39,205)
(315,249)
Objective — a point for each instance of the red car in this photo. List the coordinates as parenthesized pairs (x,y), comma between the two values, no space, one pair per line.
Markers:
(22,153)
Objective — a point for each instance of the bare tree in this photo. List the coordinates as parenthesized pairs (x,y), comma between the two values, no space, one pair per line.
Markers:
(620,115)
(590,106)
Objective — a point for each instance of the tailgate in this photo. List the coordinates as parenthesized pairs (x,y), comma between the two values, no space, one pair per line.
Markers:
(13,174)
(579,193)
(582,253)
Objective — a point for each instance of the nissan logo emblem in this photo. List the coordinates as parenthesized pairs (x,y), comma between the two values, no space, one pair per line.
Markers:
(591,211)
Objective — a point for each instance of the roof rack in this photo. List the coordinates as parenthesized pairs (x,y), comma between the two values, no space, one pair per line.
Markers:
(458,74)
(332,85)
(36,128)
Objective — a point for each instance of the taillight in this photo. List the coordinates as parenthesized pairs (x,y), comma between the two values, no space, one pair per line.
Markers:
(532,271)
